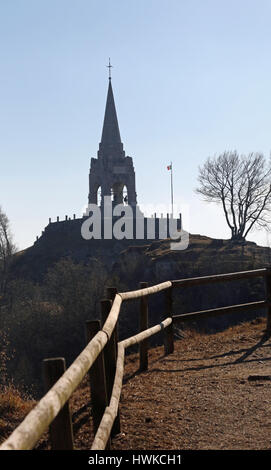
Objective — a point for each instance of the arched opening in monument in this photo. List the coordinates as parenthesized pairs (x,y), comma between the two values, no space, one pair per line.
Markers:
(112,194)
(117,193)
(125,195)
(99,196)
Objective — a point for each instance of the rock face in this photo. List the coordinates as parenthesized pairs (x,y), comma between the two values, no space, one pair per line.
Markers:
(203,256)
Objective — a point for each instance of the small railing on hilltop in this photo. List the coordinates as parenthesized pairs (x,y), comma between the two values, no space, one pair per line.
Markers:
(103,359)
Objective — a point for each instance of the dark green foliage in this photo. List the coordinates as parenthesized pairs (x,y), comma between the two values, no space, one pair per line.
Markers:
(48,320)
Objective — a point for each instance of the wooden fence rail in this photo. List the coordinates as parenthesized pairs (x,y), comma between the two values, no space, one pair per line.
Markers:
(214,312)
(194,281)
(107,374)
(110,414)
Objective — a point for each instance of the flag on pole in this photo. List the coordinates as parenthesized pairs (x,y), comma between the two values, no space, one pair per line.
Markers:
(169,167)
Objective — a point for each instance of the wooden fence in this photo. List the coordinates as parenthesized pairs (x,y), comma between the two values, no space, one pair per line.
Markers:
(103,359)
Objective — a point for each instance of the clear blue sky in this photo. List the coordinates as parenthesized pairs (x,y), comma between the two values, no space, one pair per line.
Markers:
(191,79)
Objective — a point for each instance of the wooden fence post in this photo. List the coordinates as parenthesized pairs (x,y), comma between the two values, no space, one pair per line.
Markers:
(60,430)
(268,298)
(168,334)
(111,292)
(143,325)
(110,359)
(99,399)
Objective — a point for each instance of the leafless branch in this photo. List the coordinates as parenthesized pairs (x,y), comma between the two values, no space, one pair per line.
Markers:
(242,184)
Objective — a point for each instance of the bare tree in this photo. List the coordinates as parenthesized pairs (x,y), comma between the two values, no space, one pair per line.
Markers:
(242,184)
(7,249)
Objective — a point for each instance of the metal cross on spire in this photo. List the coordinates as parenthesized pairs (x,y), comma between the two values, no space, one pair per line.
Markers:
(109,67)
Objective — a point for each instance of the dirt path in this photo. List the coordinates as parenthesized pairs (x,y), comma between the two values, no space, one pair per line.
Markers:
(201,396)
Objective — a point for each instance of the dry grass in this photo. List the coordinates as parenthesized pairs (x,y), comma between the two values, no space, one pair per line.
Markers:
(10,400)
(14,406)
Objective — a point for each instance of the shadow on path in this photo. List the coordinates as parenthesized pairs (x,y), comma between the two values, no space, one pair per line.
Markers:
(246,353)
(252,349)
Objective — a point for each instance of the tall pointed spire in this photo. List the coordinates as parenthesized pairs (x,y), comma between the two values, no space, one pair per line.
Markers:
(110,145)
(111,133)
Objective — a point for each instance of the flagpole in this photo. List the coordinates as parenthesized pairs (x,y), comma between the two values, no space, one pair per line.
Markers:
(171,178)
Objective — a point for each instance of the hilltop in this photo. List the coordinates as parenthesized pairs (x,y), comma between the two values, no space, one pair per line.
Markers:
(134,260)
(203,256)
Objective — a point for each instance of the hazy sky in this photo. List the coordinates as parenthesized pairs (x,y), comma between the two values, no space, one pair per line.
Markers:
(191,78)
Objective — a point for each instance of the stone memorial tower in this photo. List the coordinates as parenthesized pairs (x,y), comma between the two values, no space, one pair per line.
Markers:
(112,173)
